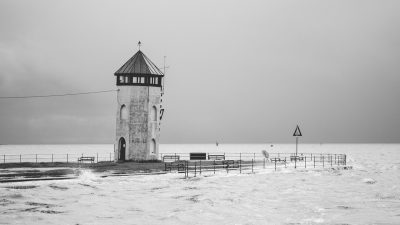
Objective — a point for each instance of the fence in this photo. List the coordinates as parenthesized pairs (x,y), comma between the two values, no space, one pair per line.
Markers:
(241,159)
(243,162)
(53,158)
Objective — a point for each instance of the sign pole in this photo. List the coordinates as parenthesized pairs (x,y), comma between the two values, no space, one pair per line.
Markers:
(297,134)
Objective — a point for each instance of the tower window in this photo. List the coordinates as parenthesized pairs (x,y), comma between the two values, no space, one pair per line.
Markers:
(154,114)
(123,113)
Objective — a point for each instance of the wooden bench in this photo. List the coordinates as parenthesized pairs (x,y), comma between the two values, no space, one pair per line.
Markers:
(229,163)
(216,157)
(179,165)
(278,160)
(170,158)
(296,158)
(86,159)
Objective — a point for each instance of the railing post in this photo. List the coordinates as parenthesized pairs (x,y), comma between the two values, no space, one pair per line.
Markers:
(314,161)
(331,161)
(200,167)
(335,160)
(36,158)
(240,162)
(214,166)
(52,158)
(275,164)
(110,156)
(240,166)
(186,169)
(285,162)
(252,165)
(4,158)
(305,161)
(19,158)
(323,161)
(97,156)
(195,168)
(67,158)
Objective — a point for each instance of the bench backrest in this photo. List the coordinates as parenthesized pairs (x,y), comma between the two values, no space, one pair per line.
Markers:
(228,162)
(216,157)
(198,156)
(170,158)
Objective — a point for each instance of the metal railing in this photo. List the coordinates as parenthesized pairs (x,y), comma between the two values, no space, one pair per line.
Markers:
(54,158)
(243,162)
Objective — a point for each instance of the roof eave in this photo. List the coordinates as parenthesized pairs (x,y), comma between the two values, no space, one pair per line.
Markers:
(138,74)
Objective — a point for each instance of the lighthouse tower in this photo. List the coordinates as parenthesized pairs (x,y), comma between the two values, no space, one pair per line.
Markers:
(139,109)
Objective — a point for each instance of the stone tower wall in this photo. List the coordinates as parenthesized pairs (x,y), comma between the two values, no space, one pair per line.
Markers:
(140,127)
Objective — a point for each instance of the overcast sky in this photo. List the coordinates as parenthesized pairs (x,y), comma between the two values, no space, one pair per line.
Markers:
(240,71)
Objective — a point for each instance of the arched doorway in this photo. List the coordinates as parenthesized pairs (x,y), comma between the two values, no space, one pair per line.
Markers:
(121,149)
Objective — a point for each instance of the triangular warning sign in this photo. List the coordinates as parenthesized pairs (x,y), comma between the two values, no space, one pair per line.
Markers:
(297,132)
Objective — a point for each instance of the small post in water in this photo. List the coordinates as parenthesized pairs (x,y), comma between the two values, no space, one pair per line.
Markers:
(97,157)
(19,158)
(36,158)
(52,158)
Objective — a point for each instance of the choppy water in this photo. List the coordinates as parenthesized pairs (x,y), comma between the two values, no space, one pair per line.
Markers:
(367,194)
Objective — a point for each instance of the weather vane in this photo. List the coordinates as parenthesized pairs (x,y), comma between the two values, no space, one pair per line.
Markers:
(139,44)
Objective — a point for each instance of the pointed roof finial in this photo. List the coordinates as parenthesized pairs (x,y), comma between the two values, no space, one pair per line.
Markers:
(139,44)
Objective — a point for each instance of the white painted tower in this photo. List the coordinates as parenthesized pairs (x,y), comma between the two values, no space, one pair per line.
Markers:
(139,109)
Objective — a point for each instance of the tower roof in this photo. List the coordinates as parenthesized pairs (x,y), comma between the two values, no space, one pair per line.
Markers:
(139,64)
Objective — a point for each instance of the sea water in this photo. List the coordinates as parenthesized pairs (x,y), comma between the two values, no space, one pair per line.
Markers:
(369,193)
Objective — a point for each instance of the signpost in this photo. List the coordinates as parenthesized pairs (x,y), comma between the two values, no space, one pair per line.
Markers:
(297,134)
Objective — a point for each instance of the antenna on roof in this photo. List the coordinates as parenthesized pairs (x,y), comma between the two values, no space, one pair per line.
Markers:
(139,44)
(165,67)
